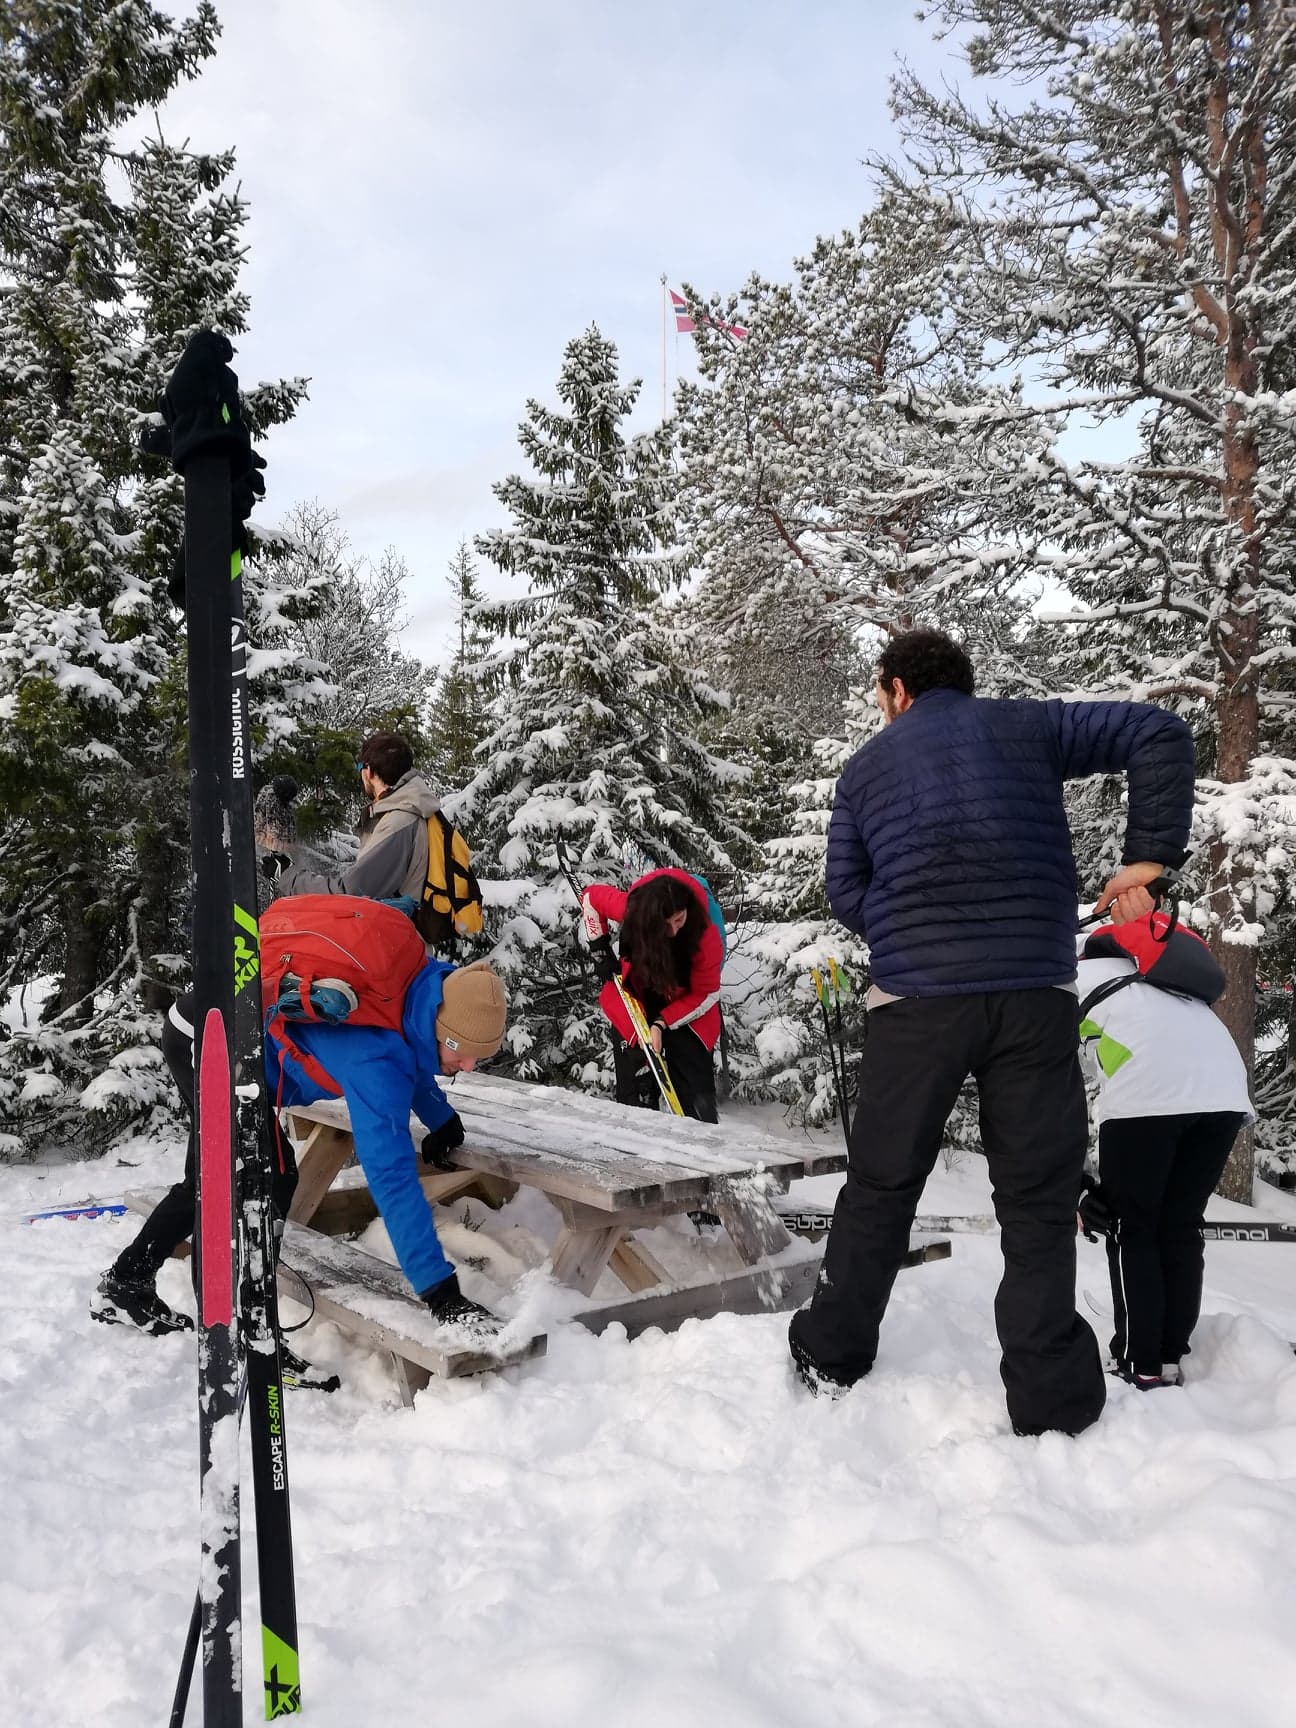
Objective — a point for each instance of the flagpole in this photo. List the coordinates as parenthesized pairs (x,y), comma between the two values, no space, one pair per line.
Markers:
(663,288)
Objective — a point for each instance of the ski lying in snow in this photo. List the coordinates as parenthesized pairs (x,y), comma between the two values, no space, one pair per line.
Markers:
(1230,1232)
(813,1221)
(106,1210)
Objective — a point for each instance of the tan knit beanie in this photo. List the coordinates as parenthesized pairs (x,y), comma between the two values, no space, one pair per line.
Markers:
(473,1011)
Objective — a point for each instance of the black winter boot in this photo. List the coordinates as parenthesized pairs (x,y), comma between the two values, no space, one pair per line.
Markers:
(124,1300)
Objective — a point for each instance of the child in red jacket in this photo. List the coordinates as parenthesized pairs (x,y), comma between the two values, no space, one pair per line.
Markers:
(671,953)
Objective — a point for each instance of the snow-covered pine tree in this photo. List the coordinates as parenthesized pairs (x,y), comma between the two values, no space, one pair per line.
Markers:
(109,258)
(351,642)
(1135,265)
(808,483)
(593,742)
(826,515)
(458,722)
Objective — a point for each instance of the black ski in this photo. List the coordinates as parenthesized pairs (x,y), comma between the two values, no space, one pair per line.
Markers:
(814,1221)
(280,1678)
(207,542)
(1229,1232)
(209,444)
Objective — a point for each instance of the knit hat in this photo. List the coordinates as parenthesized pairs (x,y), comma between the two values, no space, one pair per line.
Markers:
(473,1010)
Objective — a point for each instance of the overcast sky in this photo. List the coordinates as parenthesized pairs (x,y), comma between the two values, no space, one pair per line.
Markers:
(442,195)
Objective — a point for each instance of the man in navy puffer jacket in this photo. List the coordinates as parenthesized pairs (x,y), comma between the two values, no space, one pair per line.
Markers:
(949,852)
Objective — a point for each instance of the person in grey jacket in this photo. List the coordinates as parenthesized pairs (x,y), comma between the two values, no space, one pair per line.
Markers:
(393,855)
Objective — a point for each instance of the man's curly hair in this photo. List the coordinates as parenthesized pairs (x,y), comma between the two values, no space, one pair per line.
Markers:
(925,660)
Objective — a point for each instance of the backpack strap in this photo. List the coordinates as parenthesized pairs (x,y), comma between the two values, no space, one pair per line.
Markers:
(447,838)
(1108,988)
(277,1028)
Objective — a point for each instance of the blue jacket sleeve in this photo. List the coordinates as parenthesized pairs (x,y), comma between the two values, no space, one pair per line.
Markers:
(431,1105)
(1156,752)
(849,868)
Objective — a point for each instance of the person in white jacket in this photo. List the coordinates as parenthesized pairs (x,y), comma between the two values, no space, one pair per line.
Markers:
(1172,1097)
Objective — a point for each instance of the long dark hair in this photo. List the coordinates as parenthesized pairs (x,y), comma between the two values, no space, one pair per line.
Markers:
(661,963)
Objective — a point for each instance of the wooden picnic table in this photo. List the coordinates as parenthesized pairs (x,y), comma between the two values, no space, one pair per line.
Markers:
(609,1171)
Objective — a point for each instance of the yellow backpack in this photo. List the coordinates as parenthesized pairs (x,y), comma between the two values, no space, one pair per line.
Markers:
(452,900)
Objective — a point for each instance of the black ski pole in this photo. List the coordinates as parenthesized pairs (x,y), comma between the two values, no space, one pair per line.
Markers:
(840,984)
(839,1081)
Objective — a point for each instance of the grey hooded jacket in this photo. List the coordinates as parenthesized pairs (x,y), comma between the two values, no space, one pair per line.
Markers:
(393,856)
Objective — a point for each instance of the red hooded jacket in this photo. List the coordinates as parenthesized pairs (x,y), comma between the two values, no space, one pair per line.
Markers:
(698,1004)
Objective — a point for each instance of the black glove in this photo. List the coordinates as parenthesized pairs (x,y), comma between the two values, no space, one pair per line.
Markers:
(605,965)
(273,865)
(440,1142)
(1094,1210)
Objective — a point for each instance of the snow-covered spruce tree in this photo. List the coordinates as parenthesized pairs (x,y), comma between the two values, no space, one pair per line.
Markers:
(109,258)
(458,722)
(352,642)
(1125,242)
(808,483)
(825,515)
(593,743)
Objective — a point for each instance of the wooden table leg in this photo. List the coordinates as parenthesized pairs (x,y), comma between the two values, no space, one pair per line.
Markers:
(322,1157)
(754,1227)
(635,1266)
(580,1256)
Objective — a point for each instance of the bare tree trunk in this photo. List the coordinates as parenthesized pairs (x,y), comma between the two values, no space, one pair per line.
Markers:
(1238,711)
(81,944)
(155,866)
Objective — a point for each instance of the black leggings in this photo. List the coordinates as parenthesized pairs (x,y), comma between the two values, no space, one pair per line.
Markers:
(171,1221)
(1158,1172)
(691,1068)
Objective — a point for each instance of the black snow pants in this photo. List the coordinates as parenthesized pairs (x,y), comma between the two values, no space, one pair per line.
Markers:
(689,1063)
(1158,1172)
(1021,1047)
(171,1221)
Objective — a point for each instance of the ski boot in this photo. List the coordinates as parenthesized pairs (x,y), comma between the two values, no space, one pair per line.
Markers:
(122,1301)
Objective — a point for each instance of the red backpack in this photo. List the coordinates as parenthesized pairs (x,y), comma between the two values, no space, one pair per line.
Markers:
(1165,955)
(334,958)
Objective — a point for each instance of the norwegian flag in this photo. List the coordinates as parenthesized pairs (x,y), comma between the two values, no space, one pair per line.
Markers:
(685,323)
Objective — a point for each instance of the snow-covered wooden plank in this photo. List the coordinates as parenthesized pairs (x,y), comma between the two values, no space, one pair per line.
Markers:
(545,1156)
(571,1132)
(727,1140)
(757,1290)
(371,1301)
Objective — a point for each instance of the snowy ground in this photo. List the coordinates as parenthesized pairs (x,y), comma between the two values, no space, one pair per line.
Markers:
(666,1532)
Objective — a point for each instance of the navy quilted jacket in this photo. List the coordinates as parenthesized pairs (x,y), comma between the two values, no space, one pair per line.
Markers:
(949,850)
